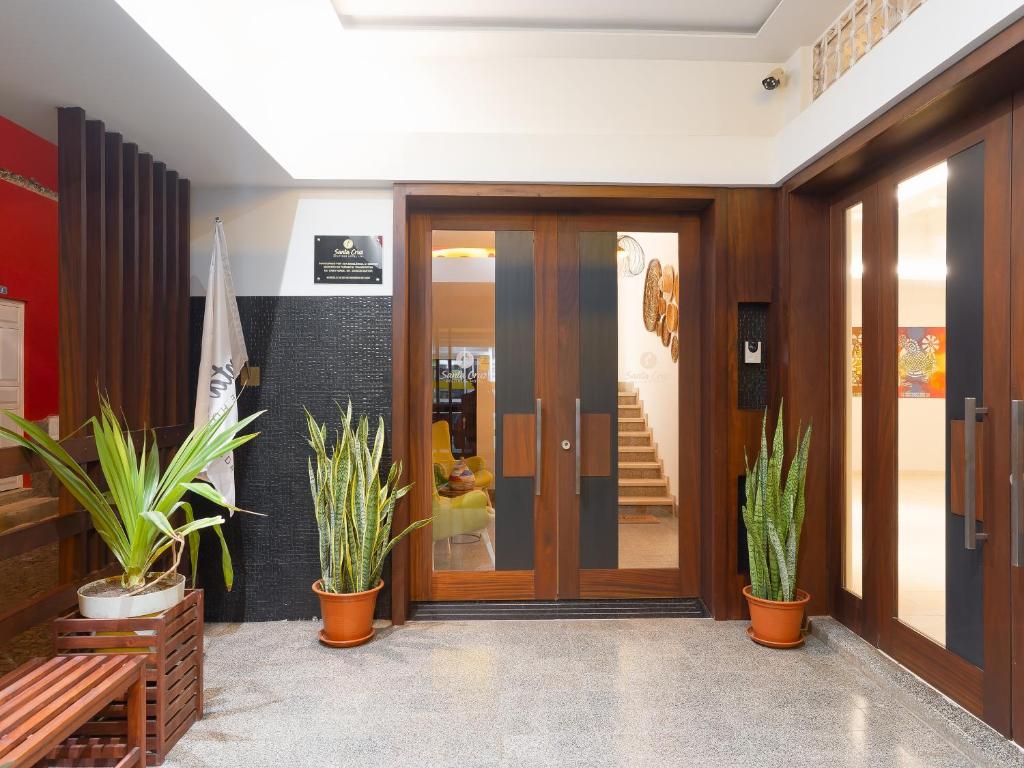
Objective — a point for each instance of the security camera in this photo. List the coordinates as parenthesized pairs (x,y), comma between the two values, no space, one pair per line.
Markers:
(774,80)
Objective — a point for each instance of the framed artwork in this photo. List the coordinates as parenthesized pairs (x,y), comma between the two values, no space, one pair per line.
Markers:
(921,361)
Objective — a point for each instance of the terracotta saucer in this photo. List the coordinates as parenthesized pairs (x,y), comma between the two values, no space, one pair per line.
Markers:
(770,644)
(344,643)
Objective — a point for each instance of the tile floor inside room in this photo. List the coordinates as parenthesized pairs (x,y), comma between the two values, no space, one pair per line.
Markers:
(635,692)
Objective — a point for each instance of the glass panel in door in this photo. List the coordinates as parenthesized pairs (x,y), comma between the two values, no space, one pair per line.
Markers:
(483,400)
(853,513)
(628,411)
(940,362)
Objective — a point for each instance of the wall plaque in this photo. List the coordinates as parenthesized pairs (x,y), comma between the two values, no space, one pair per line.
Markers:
(348,259)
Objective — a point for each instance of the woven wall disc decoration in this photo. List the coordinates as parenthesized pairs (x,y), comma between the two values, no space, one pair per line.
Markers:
(666,334)
(668,278)
(675,348)
(675,289)
(672,317)
(662,306)
(652,290)
(659,326)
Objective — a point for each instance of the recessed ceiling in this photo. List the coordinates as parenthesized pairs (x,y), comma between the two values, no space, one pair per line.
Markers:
(695,16)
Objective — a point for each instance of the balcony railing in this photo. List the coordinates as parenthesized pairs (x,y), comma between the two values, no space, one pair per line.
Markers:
(859,28)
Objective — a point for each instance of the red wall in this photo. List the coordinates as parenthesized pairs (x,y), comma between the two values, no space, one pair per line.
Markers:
(28,259)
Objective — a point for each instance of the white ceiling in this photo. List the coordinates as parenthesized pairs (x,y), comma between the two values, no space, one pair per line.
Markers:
(89,53)
(234,92)
(695,30)
(712,16)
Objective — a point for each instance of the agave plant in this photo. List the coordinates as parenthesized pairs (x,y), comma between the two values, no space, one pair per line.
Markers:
(354,509)
(774,514)
(142,513)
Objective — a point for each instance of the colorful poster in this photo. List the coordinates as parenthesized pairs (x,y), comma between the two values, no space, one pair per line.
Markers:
(921,361)
(857,362)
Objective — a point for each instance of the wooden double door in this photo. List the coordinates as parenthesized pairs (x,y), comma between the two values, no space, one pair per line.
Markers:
(553,399)
(928,396)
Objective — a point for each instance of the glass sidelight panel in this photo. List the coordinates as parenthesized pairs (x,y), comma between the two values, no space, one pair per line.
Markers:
(940,273)
(853,522)
(628,412)
(483,373)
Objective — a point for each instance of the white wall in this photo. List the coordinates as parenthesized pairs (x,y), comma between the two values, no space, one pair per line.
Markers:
(270,236)
(645,362)
(937,35)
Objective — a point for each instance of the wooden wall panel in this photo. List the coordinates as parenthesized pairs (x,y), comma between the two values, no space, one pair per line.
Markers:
(158,307)
(183,257)
(803,338)
(751,247)
(144,318)
(95,257)
(114,281)
(169,316)
(123,303)
(131,347)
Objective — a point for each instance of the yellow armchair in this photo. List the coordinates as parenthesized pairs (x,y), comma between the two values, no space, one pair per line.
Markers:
(441,453)
(468,513)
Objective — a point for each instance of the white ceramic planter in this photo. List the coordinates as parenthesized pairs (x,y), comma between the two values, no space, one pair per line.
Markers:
(127,606)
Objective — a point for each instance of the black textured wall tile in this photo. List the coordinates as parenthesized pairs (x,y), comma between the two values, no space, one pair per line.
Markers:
(752,379)
(311,351)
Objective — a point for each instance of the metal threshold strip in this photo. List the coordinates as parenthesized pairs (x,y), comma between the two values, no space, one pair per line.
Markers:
(539,610)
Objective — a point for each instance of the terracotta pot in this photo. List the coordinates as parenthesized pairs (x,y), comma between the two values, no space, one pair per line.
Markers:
(775,623)
(348,619)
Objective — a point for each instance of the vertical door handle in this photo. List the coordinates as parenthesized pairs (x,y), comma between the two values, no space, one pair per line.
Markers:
(537,460)
(579,448)
(971,412)
(1016,480)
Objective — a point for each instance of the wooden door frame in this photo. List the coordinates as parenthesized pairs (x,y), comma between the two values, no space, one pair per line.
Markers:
(1017,392)
(410,200)
(848,607)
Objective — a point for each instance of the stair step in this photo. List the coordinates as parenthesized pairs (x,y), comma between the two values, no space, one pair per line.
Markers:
(27,511)
(640,470)
(626,387)
(635,439)
(632,424)
(630,412)
(628,398)
(631,453)
(645,487)
(644,503)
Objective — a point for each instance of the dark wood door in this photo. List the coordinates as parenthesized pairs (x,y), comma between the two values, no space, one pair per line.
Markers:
(524,375)
(628,338)
(935,418)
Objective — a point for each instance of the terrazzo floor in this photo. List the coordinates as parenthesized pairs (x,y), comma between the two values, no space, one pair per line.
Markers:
(632,692)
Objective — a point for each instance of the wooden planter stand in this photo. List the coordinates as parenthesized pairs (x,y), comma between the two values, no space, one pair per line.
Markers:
(173,645)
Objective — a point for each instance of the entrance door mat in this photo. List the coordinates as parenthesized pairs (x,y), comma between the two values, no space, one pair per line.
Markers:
(534,610)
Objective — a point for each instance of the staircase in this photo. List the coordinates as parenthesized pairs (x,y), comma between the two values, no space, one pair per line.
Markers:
(643,487)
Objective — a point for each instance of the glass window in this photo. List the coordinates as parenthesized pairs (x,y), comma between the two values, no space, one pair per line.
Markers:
(853,531)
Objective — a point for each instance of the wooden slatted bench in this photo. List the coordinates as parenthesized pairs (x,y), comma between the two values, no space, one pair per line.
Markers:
(43,702)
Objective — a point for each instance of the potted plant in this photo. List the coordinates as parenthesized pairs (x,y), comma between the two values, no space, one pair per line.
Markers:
(354,511)
(142,515)
(774,516)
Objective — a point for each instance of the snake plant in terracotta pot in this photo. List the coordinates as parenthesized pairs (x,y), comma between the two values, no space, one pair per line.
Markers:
(354,512)
(774,516)
(143,515)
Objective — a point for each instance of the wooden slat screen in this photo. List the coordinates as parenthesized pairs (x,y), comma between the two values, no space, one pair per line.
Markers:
(123,287)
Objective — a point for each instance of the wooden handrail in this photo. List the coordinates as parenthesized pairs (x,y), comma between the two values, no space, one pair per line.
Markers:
(19,461)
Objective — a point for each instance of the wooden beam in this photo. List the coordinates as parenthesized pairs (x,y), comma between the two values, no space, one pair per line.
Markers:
(114,283)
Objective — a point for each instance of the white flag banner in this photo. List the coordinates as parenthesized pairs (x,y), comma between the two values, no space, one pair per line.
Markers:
(222,358)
